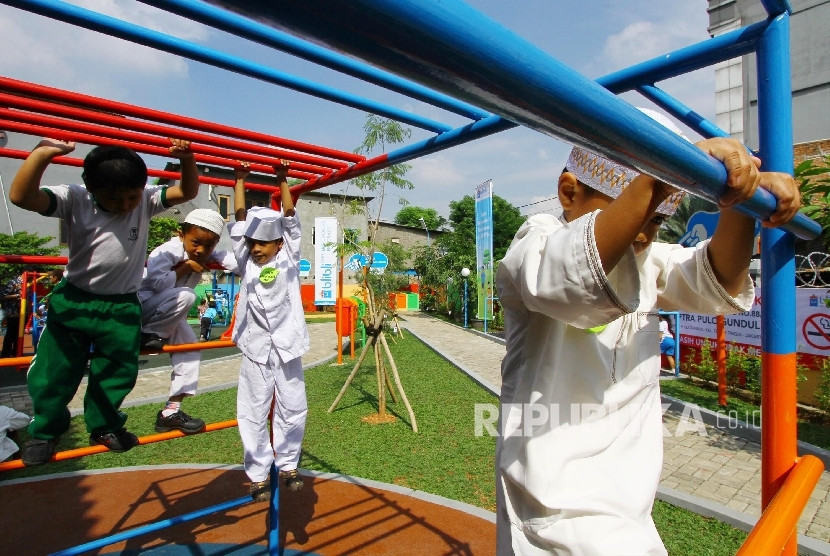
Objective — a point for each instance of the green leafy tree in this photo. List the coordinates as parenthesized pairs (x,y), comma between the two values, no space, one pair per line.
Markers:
(162,228)
(24,243)
(412,216)
(506,221)
(814,183)
(440,264)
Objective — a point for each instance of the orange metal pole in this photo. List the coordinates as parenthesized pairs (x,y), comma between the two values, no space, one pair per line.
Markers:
(216,344)
(777,526)
(721,360)
(89,450)
(778,428)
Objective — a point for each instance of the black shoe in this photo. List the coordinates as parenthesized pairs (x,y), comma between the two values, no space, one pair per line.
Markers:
(119,441)
(179,421)
(39,451)
(292,479)
(152,342)
(261,491)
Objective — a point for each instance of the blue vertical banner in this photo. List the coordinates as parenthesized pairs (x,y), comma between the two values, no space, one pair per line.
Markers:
(484,249)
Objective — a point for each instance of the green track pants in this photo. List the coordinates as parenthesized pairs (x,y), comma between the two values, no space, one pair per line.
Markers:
(80,322)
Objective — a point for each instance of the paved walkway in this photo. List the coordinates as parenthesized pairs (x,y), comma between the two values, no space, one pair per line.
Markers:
(713,472)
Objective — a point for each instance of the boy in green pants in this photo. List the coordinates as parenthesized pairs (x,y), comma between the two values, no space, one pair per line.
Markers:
(96,302)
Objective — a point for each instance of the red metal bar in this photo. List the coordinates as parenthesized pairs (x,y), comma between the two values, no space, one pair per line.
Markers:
(32,259)
(74,126)
(77,162)
(43,92)
(777,526)
(138,147)
(42,107)
(97,449)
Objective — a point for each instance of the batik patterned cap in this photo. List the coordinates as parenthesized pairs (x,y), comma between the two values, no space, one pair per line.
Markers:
(263,224)
(610,178)
(208,219)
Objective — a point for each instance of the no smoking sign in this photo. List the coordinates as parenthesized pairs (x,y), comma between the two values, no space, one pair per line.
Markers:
(816,331)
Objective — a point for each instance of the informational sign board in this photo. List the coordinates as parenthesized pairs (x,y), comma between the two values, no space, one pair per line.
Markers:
(325,260)
(812,318)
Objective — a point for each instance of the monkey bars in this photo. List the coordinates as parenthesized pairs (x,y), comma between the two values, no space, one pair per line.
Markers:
(457,59)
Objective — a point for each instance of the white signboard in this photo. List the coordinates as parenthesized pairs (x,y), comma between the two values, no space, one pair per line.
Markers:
(812,325)
(325,260)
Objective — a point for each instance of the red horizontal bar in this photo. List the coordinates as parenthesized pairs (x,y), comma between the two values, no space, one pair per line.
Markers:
(265,163)
(41,91)
(120,122)
(97,140)
(166,174)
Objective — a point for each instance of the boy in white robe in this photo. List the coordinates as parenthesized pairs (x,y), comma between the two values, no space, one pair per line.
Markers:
(270,331)
(174,268)
(580,452)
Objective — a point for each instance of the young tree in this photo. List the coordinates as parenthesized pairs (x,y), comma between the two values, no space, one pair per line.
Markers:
(379,134)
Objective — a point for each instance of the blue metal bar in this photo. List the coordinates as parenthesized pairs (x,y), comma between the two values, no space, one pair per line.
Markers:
(717,49)
(681,111)
(148,37)
(249,29)
(458,136)
(163,524)
(453,48)
(775,140)
(274,548)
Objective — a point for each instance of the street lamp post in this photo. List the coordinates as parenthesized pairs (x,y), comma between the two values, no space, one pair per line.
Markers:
(424,224)
(465,272)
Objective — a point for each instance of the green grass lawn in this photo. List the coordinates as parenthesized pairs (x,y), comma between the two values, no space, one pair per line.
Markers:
(445,457)
(809,430)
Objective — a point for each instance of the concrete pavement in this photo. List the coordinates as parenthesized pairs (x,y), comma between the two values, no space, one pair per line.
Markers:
(705,468)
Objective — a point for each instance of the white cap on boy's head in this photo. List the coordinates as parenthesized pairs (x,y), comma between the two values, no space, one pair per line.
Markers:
(610,178)
(263,224)
(207,219)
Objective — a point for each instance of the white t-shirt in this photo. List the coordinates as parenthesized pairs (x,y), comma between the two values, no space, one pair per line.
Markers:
(106,250)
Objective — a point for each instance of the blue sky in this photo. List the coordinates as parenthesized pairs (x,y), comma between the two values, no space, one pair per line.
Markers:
(594,37)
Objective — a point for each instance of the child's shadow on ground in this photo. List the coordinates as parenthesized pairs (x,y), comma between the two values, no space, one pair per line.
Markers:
(296,512)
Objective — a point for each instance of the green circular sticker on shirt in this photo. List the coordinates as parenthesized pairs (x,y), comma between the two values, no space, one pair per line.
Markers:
(268,275)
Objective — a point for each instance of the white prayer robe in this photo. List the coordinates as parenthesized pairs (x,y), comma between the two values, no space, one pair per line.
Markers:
(270,331)
(166,300)
(580,452)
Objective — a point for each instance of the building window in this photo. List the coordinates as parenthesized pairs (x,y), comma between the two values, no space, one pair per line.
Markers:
(224,203)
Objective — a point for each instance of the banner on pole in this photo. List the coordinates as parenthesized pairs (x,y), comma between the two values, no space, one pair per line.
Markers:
(812,325)
(484,249)
(325,260)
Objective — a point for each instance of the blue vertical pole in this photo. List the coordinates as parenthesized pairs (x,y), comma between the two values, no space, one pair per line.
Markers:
(778,326)
(274,548)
